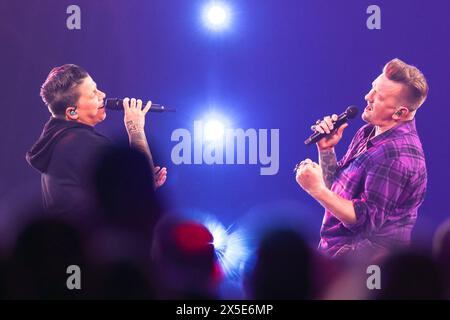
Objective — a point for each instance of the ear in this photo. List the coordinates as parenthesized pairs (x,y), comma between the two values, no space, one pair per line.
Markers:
(401,113)
(71,113)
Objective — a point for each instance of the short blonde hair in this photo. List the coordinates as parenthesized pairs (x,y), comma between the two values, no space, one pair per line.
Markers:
(414,81)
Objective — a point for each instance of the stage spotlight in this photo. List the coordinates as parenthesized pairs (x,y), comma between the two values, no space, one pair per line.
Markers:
(216,15)
(218,232)
(214,126)
(230,246)
(214,130)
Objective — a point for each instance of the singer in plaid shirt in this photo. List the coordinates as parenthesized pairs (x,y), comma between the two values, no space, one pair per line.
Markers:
(372,195)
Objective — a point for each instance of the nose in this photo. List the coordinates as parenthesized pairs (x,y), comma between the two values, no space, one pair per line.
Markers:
(369,96)
(102,94)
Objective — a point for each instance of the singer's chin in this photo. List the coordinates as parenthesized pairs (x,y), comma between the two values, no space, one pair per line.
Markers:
(365,117)
(101,114)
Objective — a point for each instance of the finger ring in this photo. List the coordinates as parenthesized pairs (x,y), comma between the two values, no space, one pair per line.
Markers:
(318,121)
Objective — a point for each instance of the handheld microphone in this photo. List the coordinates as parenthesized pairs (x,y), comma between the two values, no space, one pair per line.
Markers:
(349,113)
(116,104)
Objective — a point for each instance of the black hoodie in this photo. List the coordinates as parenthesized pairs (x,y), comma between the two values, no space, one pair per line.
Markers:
(64,155)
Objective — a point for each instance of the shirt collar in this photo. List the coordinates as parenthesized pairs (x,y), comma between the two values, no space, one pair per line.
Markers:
(394,133)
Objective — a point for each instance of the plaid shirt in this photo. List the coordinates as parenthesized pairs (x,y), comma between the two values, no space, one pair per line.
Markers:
(385,177)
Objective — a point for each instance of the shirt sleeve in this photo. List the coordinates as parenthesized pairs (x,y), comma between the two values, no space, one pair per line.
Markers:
(384,184)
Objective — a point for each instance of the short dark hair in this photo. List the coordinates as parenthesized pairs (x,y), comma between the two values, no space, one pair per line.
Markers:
(59,89)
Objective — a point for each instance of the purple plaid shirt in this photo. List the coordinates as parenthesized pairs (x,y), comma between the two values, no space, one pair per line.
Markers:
(385,177)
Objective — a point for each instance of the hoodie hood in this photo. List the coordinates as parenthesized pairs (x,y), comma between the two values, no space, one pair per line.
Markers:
(41,152)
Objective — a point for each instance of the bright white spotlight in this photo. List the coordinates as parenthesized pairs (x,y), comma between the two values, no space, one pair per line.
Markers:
(230,246)
(219,233)
(213,130)
(216,15)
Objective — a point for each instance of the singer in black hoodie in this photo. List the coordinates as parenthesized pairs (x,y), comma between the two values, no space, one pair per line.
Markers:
(68,146)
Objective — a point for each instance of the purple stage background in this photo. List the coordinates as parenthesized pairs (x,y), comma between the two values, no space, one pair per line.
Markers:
(281,65)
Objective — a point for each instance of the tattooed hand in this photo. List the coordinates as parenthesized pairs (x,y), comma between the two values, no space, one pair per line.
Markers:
(134,123)
(134,115)
(134,120)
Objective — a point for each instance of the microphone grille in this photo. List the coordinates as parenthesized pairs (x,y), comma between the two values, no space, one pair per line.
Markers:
(351,112)
(113,104)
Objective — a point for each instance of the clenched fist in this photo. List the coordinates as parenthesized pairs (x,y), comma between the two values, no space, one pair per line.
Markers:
(309,176)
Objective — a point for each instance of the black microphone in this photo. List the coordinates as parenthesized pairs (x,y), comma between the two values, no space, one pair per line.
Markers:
(350,113)
(116,104)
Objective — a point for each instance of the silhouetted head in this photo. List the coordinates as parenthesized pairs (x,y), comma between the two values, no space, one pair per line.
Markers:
(410,275)
(283,268)
(441,251)
(43,252)
(183,252)
(441,244)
